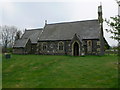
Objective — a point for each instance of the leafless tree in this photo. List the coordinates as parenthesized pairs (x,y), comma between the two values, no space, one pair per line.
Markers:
(8,35)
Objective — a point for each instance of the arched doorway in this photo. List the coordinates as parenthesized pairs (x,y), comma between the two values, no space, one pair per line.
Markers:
(76,49)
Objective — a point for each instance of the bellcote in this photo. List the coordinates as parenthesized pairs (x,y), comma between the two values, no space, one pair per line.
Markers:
(100,18)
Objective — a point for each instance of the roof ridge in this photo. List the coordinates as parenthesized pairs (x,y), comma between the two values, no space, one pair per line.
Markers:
(72,22)
(34,29)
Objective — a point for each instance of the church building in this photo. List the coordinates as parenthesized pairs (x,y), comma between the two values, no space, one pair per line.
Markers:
(66,38)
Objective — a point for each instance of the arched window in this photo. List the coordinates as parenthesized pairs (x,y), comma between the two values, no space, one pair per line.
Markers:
(61,46)
(89,46)
(51,45)
(44,46)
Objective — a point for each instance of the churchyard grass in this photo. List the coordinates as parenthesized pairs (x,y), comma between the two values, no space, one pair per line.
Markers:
(45,71)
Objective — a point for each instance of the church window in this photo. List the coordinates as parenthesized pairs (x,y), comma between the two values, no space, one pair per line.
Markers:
(98,42)
(61,46)
(89,46)
(51,45)
(69,45)
(44,46)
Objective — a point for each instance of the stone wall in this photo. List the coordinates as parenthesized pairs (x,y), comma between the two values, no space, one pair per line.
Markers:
(23,50)
(18,50)
(33,48)
(53,48)
(95,47)
(27,49)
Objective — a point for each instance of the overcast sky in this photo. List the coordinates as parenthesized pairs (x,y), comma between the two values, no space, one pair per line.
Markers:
(32,14)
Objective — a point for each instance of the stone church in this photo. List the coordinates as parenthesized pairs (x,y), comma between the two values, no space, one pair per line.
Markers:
(66,38)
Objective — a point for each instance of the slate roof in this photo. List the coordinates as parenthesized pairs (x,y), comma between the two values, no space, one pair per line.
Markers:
(20,43)
(88,29)
(31,34)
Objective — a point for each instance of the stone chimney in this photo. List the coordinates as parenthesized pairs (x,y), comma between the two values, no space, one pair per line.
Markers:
(100,18)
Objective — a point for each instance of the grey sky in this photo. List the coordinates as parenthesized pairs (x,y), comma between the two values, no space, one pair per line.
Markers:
(33,14)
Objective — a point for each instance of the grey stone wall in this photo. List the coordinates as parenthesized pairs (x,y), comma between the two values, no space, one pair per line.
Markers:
(23,50)
(102,46)
(95,47)
(53,48)
(18,50)
(33,48)
(27,49)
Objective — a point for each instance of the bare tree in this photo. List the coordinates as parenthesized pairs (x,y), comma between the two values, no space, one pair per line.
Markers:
(8,35)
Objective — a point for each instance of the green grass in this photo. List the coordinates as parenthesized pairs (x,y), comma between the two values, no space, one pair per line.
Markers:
(37,71)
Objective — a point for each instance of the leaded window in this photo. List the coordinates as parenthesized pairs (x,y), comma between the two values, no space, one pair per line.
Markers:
(44,46)
(98,42)
(89,46)
(61,46)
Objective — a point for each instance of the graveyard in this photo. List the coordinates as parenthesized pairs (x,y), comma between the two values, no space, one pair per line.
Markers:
(45,71)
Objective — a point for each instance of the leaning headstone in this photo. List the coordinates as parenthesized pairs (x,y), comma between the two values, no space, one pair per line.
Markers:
(7,55)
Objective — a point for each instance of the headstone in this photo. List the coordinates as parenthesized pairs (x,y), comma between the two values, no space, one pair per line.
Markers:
(7,55)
